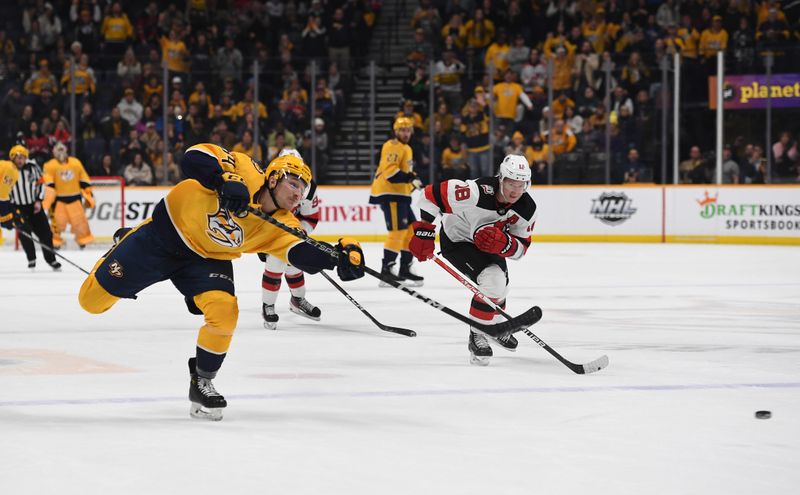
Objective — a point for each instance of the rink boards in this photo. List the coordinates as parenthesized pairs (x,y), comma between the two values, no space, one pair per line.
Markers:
(648,213)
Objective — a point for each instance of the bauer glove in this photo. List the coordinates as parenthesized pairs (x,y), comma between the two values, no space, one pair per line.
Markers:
(350,264)
(494,241)
(422,244)
(416,182)
(233,194)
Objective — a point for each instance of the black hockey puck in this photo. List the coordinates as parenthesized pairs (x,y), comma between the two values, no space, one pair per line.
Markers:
(763,414)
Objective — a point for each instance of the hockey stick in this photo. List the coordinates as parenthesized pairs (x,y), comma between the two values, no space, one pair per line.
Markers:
(387,328)
(580,369)
(45,246)
(500,329)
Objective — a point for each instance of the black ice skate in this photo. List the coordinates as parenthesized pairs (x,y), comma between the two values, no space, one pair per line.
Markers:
(55,265)
(509,342)
(409,278)
(386,273)
(479,350)
(301,306)
(31,264)
(270,317)
(207,403)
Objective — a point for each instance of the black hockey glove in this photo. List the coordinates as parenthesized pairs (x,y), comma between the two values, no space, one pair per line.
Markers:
(233,194)
(7,222)
(351,259)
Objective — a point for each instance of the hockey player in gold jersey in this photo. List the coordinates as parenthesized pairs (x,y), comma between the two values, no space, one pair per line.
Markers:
(193,235)
(9,174)
(391,189)
(68,186)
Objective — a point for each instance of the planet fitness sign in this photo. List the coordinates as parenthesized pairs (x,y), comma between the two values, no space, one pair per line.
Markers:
(751,91)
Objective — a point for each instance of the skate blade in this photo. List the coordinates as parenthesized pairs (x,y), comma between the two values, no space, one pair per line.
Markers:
(303,314)
(479,360)
(209,414)
(271,325)
(413,283)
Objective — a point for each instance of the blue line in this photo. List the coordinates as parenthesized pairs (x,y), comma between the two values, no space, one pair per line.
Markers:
(412,393)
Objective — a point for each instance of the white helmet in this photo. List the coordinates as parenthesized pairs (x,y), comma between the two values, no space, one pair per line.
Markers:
(515,167)
(290,151)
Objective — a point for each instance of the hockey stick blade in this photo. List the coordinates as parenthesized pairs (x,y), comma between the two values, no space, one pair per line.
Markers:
(518,323)
(580,369)
(386,328)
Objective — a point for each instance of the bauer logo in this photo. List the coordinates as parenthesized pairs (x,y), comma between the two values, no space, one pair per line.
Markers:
(612,208)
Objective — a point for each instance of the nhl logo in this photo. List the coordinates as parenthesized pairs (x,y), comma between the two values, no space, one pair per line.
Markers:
(612,208)
(115,269)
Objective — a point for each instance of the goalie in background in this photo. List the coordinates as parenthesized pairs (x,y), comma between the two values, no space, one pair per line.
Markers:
(67,185)
(308,214)
(194,234)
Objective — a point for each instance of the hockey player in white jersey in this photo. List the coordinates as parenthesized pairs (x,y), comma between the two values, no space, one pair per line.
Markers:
(485,222)
(308,214)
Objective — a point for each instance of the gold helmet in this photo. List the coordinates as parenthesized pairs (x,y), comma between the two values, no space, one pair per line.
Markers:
(289,164)
(402,122)
(18,150)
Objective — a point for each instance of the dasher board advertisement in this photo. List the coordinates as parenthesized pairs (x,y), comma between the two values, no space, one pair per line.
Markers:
(757,214)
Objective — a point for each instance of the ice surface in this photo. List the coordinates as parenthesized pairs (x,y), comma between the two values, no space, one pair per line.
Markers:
(699,337)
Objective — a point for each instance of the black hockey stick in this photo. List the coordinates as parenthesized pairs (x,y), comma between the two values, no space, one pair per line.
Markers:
(500,329)
(580,369)
(45,246)
(387,328)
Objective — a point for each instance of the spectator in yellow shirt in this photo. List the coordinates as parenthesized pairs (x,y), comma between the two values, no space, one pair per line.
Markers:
(454,160)
(248,146)
(563,139)
(116,31)
(41,78)
(506,97)
(713,40)
(174,52)
(496,58)
(480,31)
(539,158)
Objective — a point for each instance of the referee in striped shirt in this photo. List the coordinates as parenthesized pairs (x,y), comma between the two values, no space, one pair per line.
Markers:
(26,199)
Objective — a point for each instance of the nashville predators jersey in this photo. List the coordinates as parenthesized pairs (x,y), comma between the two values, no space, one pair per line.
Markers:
(66,178)
(212,232)
(8,177)
(393,177)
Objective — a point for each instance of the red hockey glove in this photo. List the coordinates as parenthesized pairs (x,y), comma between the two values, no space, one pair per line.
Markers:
(493,240)
(422,244)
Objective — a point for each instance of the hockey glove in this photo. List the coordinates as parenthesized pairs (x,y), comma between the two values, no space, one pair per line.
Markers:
(350,265)
(88,197)
(416,182)
(422,244)
(493,240)
(7,221)
(233,194)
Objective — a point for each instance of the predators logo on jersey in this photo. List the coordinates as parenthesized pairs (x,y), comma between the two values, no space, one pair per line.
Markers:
(223,230)
(66,175)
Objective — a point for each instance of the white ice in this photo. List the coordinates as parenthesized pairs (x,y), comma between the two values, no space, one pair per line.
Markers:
(699,338)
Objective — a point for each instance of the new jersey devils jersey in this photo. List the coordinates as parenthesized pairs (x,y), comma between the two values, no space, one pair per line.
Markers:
(468,206)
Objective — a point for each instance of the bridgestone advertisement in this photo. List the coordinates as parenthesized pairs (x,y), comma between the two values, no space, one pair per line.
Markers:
(744,214)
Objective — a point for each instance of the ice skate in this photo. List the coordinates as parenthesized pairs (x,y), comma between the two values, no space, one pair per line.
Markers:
(301,306)
(409,278)
(207,403)
(270,317)
(386,272)
(480,352)
(31,264)
(55,265)
(509,342)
